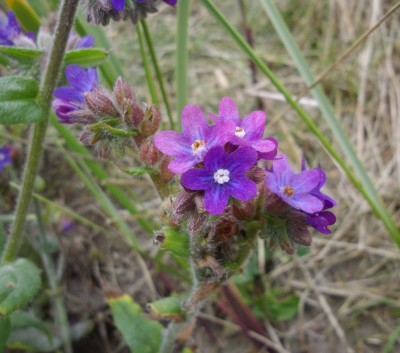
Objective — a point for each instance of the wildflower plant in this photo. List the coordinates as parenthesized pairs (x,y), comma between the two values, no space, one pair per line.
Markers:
(221,178)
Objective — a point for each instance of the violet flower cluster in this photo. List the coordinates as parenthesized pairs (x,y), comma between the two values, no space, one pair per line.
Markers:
(11,33)
(102,11)
(222,166)
(5,156)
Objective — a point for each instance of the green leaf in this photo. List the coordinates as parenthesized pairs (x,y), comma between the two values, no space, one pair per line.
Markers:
(140,333)
(85,57)
(19,283)
(139,171)
(281,309)
(26,15)
(4,331)
(23,55)
(33,340)
(169,308)
(22,320)
(174,241)
(392,340)
(17,100)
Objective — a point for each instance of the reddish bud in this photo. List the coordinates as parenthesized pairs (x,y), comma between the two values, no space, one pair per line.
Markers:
(122,92)
(134,113)
(100,103)
(149,153)
(184,202)
(257,174)
(151,121)
(166,174)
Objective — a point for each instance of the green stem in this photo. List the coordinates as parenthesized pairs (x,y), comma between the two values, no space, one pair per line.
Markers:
(150,46)
(377,208)
(182,56)
(60,312)
(169,337)
(50,77)
(149,76)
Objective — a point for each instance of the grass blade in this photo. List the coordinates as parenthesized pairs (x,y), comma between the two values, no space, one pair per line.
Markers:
(182,56)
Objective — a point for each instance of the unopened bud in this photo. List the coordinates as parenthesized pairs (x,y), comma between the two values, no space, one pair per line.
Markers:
(151,121)
(196,221)
(133,113)
(184,203)
(166,174)
(171,239)
(245,211)
(83,116)
(257,174)
(149,153)
(100,103)
(122,92)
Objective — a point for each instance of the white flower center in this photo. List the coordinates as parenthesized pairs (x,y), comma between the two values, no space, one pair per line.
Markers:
(240,132)
(221,176)
(199,146)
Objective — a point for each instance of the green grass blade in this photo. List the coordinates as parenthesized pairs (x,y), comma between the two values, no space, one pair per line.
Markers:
(182,56)
(160,79)
(327,112)
(149,75)
(377,207)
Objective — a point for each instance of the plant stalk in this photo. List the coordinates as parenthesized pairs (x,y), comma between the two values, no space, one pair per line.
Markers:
(49,80)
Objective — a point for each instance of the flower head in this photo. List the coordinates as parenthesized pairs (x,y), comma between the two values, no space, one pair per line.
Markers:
(294,188)
(249,131)
(11,33)
(197,137)
(71,98)
(5,156)
(223,176)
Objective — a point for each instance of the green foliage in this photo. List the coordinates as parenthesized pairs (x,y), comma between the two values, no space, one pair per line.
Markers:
(26,14)
(140,333)
(392,340)
(139,171)
(4,331)
(85,57)
(23,55)
(17,100)
(175,241)
(19,283)
(169,308)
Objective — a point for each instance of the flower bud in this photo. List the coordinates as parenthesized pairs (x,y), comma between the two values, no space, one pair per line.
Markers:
(151,121)
(257,174)
(100,103)
(149,153)
(122,92)
(196,221)
(166,174)
(83,116)
(184,202)
(171,239)
(133,114)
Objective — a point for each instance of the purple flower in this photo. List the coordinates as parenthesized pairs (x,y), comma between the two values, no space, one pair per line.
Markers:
(321,220)
(197,137)
(223,176)
(118,4)
(5,156)
(169,2)
(296,189)
(85,42)
(11,33)
(249,130)
(71,98)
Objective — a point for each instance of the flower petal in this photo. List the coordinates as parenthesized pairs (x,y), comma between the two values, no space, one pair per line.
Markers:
(69,94)
(305,181)
(219,134)
(85,42)
(254,125)
(171,143)
(216,199)
(118,4)
(227,110)
(215,159)
(272,154)
(304,202)
(266,146)
(242,188)
(197,179)
(241,160)
(170,2)
(182,163)
(194,123)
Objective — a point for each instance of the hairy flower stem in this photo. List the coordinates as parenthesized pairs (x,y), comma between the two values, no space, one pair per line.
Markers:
(49,80)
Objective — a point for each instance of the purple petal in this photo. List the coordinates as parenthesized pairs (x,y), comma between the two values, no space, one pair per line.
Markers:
(197,179)
(321,220)
(270,155)
(171,2)
(241,160)
(305,202)
(171,143)
(69,94)
(194,123)
(304,182)
(242,188)
(253,125)
(266,146)
(219,134)
(182,163)
(215,159)
(228,111)
(118,4)
(85,42)
(81,79)
(216,199)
